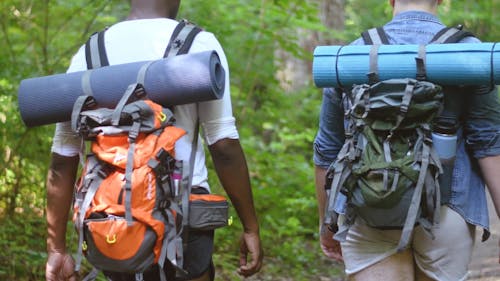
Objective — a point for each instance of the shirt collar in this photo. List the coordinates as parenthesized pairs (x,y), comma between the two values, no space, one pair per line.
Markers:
(416,15)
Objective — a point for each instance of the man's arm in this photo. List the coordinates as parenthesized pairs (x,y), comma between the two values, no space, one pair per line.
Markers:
(329,246)
(60,183)
(490,167)
(327,144)
(231,167)
(319,175)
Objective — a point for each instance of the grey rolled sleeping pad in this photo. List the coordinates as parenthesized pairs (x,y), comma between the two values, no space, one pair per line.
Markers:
(176,80)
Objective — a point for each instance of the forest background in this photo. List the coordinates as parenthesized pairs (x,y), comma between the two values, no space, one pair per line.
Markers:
(269,46)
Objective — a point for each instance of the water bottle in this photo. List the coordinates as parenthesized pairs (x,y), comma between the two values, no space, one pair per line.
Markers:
(444,140)
(445,145)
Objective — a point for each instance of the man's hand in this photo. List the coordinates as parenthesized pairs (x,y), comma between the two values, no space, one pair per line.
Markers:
(60,267)
(329,246)
(250,244)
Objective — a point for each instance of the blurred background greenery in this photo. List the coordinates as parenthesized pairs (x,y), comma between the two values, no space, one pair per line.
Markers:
(269,46)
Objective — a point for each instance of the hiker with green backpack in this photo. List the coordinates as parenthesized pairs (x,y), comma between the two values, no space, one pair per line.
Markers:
(144,36)
(402,164)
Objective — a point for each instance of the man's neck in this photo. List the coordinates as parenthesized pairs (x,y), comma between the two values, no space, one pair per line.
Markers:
(146,14)
(400,8)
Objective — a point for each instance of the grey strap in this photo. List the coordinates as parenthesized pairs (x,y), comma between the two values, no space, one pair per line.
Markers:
(168,250)
(128,184)
(80,104)
(86,86)
(375,36)
(361,99)
(141,75)
(94,178)
(139,276)
(405,104)
(187,191)
(172,247)
(92,275)
(94,51)
(129,168)
(388,159)
(450,35)
(133,91)
(340,174)
(450,32)
(411,216)
(373,74)
(177,42)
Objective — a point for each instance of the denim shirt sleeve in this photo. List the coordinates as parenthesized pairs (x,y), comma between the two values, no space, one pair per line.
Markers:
(482,119)
(482,123)
(330,136)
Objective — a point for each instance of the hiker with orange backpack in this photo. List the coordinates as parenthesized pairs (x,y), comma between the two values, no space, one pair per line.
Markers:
(369,239)
(142,37)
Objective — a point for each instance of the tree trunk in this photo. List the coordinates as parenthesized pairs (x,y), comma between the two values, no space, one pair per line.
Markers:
(295,73)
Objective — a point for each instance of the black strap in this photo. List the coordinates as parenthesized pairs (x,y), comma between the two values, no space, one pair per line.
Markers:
(420,61)
(375,36)
(95,51)
(451,35)
(181,39)
(452,107)
(179,43)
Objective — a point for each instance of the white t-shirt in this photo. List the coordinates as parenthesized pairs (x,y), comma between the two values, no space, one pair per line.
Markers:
(145,40)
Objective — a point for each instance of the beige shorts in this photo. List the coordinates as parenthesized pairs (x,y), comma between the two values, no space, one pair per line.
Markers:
(444,258)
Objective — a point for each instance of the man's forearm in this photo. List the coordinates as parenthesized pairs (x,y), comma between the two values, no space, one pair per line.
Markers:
(490,167)
(60,183)
(320,174)
(230,165)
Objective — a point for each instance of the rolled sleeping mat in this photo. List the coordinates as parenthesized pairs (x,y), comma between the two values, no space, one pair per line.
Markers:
(182,79)
(446,64)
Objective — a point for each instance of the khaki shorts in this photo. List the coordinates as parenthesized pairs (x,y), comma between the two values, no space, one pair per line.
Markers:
(444,258)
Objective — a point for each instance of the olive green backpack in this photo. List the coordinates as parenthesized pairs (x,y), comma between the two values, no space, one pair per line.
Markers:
(387,170)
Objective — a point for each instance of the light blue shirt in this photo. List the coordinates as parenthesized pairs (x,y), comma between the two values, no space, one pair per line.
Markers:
(478,135)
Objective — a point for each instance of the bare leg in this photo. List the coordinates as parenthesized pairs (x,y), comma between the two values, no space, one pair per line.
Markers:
(398,267)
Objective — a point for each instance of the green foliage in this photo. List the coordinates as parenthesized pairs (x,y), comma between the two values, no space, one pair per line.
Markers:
(477,16)
(24,257)
(276,127)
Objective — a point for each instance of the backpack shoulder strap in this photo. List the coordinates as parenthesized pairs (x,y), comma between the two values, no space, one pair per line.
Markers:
(451,35)
(375,36)
(179,43)
(95,51)
(181,39)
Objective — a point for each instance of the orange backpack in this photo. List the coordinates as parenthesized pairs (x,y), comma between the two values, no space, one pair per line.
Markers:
(133,206)
(133,199)
(129,192)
